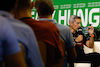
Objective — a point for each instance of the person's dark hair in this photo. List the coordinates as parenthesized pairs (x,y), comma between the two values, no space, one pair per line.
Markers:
(23,4)
(44,7)
(7,5)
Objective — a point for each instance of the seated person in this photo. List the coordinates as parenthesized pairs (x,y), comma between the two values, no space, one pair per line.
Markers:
(80,39)
(45,11)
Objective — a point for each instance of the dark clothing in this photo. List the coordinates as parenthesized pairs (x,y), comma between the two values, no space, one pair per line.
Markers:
(65,35)
(47,32)
(79,45)
(93,58)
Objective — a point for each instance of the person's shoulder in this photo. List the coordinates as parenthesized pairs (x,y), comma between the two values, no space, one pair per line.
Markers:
(19,25)
(3,20)
(4,24)
(63,27)
(29,21)
(47,24)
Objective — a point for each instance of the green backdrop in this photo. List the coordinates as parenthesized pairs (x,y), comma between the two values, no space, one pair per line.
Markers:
(88,10)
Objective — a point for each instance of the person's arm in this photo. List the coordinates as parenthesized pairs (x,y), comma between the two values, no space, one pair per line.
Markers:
(12,52)
(15,60)
(90,43)
(78,39)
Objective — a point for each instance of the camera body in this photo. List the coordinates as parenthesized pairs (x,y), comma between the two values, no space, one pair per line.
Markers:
(79,31)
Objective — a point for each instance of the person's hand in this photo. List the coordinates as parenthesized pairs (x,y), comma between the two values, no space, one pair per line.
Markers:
(79,38)
(90,30)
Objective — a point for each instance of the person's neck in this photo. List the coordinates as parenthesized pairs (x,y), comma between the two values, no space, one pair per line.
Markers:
(22,14)
(48,16)
(72,30)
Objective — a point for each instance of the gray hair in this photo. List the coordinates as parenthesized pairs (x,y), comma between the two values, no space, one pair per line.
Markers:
(73,17)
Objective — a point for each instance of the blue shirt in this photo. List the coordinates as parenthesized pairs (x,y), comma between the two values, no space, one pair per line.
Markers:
(26,36)
(65,34)
(8,40)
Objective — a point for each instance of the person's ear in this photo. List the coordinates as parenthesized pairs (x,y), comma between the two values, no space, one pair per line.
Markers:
(32,5)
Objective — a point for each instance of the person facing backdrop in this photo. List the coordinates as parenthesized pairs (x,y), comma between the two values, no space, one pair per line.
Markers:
(24,34)
(45,10)
(45,31)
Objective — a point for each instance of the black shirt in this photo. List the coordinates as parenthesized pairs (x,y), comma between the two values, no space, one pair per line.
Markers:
(79,45)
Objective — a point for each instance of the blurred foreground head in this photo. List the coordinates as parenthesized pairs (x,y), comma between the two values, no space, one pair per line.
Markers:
(24,4)
(44,7)
(7,5)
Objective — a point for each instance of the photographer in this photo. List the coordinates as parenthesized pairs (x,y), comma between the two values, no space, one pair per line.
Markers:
(80,39)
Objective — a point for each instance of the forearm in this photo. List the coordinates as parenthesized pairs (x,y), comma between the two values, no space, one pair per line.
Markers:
(91,31)
(91,42)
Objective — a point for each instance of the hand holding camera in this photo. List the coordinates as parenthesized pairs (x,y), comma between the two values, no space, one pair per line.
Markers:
(90,30)
(79,38)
